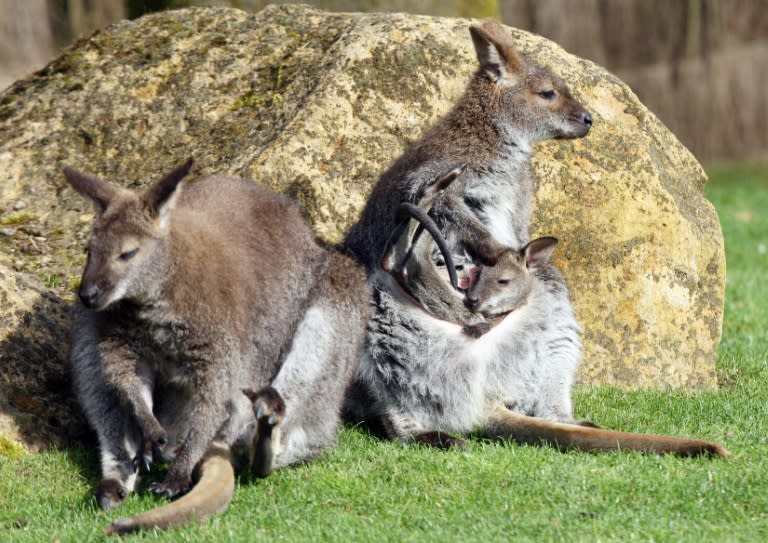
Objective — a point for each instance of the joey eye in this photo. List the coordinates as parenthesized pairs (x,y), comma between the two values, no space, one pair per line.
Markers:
(503,281)
(440,263)
(548,95)
(460,267)
(126,256)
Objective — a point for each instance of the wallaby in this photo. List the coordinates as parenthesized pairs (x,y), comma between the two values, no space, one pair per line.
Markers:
(423,378)
(209,317)
(500,289)
(421,271)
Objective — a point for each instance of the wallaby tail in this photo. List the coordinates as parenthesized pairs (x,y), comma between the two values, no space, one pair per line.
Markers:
(209,496)
(505,424)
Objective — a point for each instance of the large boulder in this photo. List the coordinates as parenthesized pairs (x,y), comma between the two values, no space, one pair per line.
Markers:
(36,403)
(317,105)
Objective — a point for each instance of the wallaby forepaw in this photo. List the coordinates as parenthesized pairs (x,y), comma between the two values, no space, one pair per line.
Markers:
(151,451)
(268,405)
(110,493)
(171,488)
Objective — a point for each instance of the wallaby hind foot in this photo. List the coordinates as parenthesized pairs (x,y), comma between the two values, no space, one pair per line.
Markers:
(269,410)
(439,440)
(110,493)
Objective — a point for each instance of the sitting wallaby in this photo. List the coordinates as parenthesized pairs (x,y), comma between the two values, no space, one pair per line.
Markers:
(209,320)
(421,377)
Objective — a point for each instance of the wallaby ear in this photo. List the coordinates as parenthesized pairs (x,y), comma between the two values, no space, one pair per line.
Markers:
(495,52)
(442,182)
(160,198)
(388,260)
(99,192)
(537,252)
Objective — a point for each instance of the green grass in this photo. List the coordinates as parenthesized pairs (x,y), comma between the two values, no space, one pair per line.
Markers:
(368,490)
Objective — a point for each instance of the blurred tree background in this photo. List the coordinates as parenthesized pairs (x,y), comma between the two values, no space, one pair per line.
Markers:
(700,65)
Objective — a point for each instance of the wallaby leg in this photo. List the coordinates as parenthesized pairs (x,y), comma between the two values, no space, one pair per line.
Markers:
(119,448)
(134,380)
(208,414)
(269,410)
(321,362)
(119,437)
(506,424)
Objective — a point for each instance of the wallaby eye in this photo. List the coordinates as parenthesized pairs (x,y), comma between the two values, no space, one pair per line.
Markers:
(548,95)
(460,267)
(503,281)
(440,263)
(127,255)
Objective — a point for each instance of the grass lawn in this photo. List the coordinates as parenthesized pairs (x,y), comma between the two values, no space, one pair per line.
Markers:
(368,490)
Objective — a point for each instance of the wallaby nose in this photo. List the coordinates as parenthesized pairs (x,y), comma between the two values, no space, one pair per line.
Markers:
(470,301)
(89,294)
(586,118)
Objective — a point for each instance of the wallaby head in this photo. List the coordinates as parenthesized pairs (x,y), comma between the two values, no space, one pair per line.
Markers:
(502,288)
(534,102)
(126,247)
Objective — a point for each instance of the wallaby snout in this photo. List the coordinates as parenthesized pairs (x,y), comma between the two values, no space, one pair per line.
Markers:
(89,295)
(581,122)
(470,301)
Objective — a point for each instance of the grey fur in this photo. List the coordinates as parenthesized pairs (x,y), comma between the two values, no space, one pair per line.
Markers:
(191,296)
(422,374)
(422,377)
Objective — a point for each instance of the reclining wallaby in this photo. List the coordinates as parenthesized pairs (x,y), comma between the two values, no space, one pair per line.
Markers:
(422,378)
(208,313)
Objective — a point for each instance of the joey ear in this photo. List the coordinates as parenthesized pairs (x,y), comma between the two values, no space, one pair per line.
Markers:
(537,252)
(99,192)
(160,198)
(495,52)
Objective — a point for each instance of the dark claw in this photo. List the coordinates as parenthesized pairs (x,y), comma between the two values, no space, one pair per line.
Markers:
(147,461)
(161,490)
(170,489)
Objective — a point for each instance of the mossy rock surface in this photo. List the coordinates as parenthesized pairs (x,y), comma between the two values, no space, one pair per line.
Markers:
(317,105)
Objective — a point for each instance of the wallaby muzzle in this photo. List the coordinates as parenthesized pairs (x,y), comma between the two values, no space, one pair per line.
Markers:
(89,294)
